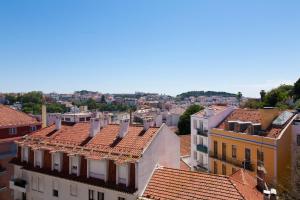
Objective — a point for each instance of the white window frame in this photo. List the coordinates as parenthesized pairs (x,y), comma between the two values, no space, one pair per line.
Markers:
(123,174)
(12,131)
(38,158)
(25,154)
(73,189)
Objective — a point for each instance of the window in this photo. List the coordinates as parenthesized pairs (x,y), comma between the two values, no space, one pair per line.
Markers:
(122,174)
(215,167)
(12,131)
(41,184)
(121,198)
(233,151)
(34,183)
(224,151)
(100,196)
(200,140)
(200,158)
(91,194)
(260,158)
(223,169)
(98,169)
(25,154)
(195,139)
(74,165)
(38,158)
(195,123)
(67,119)
(195,155)
(298,140)
(247,155)
(73,190)
(81,119)
(215,149)
(56,161)
(32,128)
(55,189)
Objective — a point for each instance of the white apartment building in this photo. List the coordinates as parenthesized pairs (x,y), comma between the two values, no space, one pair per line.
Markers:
(201,124)
(93,161)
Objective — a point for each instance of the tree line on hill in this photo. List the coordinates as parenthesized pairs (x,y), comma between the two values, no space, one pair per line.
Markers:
(32,103)
(204,93)
(283,97)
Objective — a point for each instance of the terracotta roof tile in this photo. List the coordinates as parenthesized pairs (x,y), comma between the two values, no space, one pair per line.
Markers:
(245,115)
(246,185)
(13,118)
(174,184)
(74,139)
(185,145)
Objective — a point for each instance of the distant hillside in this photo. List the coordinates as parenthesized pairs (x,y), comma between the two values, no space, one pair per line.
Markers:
(205,93)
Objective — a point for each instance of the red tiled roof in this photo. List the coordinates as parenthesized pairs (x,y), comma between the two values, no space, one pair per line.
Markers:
(246,185)
(75,140)
(184,166)
(245,115)
(13,118)
(185,145)
(174,184)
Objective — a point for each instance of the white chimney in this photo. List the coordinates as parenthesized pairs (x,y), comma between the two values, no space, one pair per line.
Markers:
(147,123)
(58,123)
(124,126)
(94,126)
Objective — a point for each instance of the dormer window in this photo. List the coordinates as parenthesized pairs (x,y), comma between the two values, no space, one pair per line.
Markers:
(57,161)
(25,154)
(123,174)
(12,131)
(38,158)
(97,169)
(74,165)
(32,128)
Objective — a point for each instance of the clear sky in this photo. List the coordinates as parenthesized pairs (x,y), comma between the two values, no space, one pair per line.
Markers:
(164,46)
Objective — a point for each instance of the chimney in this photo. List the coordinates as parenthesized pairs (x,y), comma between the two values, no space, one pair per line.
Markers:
(58,123)
(94,126)
(124,126)
(147,123)
(44,116)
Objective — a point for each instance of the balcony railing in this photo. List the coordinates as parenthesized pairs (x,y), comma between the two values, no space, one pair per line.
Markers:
(201,131)
(202,148)
(233,161)
(18,184)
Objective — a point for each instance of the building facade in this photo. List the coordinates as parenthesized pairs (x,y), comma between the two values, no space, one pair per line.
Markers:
(91,160)
(201,125)
(13,125)
(256,140)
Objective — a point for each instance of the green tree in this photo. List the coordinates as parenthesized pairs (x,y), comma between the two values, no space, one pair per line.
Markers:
(239,97)
(10,99)
(253,104)
(296,90)
(278,95)
(92,104)
(262,95)
(102,99)
(184,124)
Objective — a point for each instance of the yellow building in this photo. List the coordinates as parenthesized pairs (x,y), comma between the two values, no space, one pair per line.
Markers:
(257,140)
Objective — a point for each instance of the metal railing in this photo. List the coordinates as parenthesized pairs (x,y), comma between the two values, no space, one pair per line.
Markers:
(202,148)
(201,131)
(248,165)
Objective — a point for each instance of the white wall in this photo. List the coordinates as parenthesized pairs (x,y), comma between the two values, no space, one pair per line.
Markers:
(64,188)
(163,150)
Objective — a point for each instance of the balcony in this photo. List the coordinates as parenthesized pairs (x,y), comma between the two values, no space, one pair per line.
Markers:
(202,148)
(233,161)
(202,132)
(248,165)
(18,184)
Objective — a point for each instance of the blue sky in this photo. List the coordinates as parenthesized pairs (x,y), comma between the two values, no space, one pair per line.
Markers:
(159,46)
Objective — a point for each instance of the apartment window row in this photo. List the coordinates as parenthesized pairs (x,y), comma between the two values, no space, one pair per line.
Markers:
(260,153)
(96,195)
(96,168)
(12,131)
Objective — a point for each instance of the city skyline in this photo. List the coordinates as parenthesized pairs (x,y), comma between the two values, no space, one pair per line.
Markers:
(161,47)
